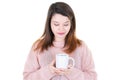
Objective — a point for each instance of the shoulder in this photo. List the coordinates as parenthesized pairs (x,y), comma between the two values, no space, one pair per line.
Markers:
(82,50)
(83,45)
(37,43)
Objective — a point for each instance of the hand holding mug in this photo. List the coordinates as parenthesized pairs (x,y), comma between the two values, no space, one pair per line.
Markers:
(53,69)
(62,64)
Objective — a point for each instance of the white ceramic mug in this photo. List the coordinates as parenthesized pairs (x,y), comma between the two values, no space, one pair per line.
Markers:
(62,60)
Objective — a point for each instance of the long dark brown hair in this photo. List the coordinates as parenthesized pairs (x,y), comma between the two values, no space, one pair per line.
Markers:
(47,38)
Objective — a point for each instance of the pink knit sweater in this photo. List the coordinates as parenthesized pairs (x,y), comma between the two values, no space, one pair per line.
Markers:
(36,66)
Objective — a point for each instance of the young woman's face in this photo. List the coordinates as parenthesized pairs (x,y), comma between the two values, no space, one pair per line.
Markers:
(60,26)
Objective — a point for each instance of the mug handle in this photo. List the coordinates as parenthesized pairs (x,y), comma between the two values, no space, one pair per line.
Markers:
(73,61)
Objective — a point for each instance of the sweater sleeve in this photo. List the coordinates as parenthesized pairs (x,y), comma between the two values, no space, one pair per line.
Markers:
(87,71)
(33,70)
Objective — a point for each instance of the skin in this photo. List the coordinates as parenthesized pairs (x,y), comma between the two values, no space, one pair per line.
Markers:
(60,26)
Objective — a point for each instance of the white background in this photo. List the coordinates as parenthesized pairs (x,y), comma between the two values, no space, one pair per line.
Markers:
(22,22)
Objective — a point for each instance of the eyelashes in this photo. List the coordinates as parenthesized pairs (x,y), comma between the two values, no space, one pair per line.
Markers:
(59,24)
(56,24)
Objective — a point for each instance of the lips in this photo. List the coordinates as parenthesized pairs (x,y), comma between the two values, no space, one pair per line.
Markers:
(61,33)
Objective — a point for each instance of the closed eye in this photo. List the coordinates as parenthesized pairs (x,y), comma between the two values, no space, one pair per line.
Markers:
(56,24)
(65,24)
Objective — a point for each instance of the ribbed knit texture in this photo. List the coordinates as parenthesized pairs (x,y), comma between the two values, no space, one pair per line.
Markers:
(37,64)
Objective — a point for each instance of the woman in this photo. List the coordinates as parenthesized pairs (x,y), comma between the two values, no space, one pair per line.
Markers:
(59,37)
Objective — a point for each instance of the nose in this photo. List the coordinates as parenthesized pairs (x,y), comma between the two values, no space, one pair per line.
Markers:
(61,28)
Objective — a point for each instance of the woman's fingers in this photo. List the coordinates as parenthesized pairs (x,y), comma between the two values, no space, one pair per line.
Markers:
(59,71)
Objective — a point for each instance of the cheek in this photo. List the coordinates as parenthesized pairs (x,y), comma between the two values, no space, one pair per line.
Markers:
(53,29)
(67,29)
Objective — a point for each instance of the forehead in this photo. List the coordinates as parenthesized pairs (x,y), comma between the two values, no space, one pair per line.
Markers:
(59,18)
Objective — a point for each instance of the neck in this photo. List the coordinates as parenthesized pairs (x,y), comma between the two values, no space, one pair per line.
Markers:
(59,44)
(59,40)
